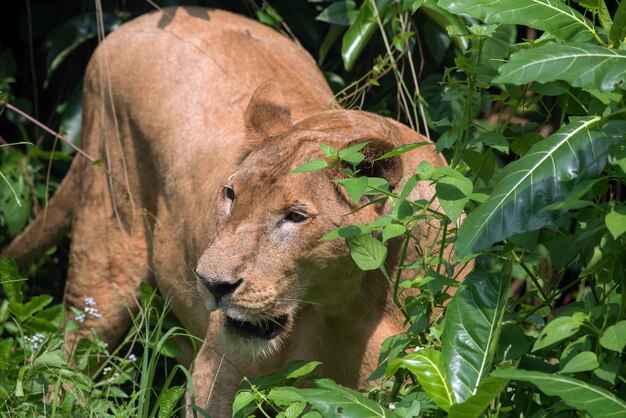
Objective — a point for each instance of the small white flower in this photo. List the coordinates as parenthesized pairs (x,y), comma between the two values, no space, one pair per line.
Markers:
(132,357)
(80,318)
(106,369)
(90,301)
(391,406)
(35,341)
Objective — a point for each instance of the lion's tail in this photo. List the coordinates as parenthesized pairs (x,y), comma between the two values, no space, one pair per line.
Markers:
(50,225)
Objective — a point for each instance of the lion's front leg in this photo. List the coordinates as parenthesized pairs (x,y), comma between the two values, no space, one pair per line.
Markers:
(215,382)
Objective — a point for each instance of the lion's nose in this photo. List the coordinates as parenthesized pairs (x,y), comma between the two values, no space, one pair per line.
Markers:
(220,288)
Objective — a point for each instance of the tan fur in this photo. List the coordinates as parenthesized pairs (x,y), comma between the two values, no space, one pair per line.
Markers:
(170,110)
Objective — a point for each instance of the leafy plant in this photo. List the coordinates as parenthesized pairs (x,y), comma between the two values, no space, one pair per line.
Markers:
(37,377)
(545,212)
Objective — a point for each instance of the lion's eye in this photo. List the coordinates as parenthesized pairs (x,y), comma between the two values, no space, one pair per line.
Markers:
(296,217)
(229,193)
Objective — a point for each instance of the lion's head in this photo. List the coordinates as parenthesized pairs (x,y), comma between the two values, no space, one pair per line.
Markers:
(266,260)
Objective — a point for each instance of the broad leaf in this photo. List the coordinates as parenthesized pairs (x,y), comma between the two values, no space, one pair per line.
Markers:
(453,193)
(392,231)
(591,67)
(559,329)
(34,305)
(552,16)
(355,187)
(614,337)
(597,402)
(615,221)
(470,337)
(367,252)
(332,400)
(428,366)
(474,406)
(581,362)
(544,176)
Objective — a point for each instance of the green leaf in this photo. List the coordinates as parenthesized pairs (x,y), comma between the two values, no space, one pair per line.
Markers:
(295,410)
(545,175)
(329,151)
(361,30)
(597,402)
(355,187)
(402,149)
(608,370)
(11,280)
(470,337)
(168,400)
(242,400)
(346,232)
(339,13)
(581,362)
(559,329)
(392,231)
(34,305)
(552,16)
(169,348)
(618,29)
(332,400)
(615,221)
(49,360)
(299,368)
(428,366)
(614,337)
(588,66)
(367,252)
(314,165)
(475,405)
(453,193)
(70,35)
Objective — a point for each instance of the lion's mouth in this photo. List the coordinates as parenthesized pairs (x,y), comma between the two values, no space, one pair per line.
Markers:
(266,329)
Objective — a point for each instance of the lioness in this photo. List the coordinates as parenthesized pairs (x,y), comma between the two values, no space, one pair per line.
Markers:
(196,196)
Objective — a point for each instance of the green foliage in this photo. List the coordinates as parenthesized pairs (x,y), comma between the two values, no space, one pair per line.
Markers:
(39,377)
(547,212)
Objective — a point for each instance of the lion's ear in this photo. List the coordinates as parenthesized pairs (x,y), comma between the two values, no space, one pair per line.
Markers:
(390,169)
(268,114)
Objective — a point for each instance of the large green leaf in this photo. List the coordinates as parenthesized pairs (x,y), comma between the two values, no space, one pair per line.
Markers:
(362,29)
(552,16)
(332,400)
(470,337)
(428,366)
(545,175)
(597,402)
(474,406)
(583,65)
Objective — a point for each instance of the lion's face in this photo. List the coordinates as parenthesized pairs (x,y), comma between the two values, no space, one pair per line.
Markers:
(266,260)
